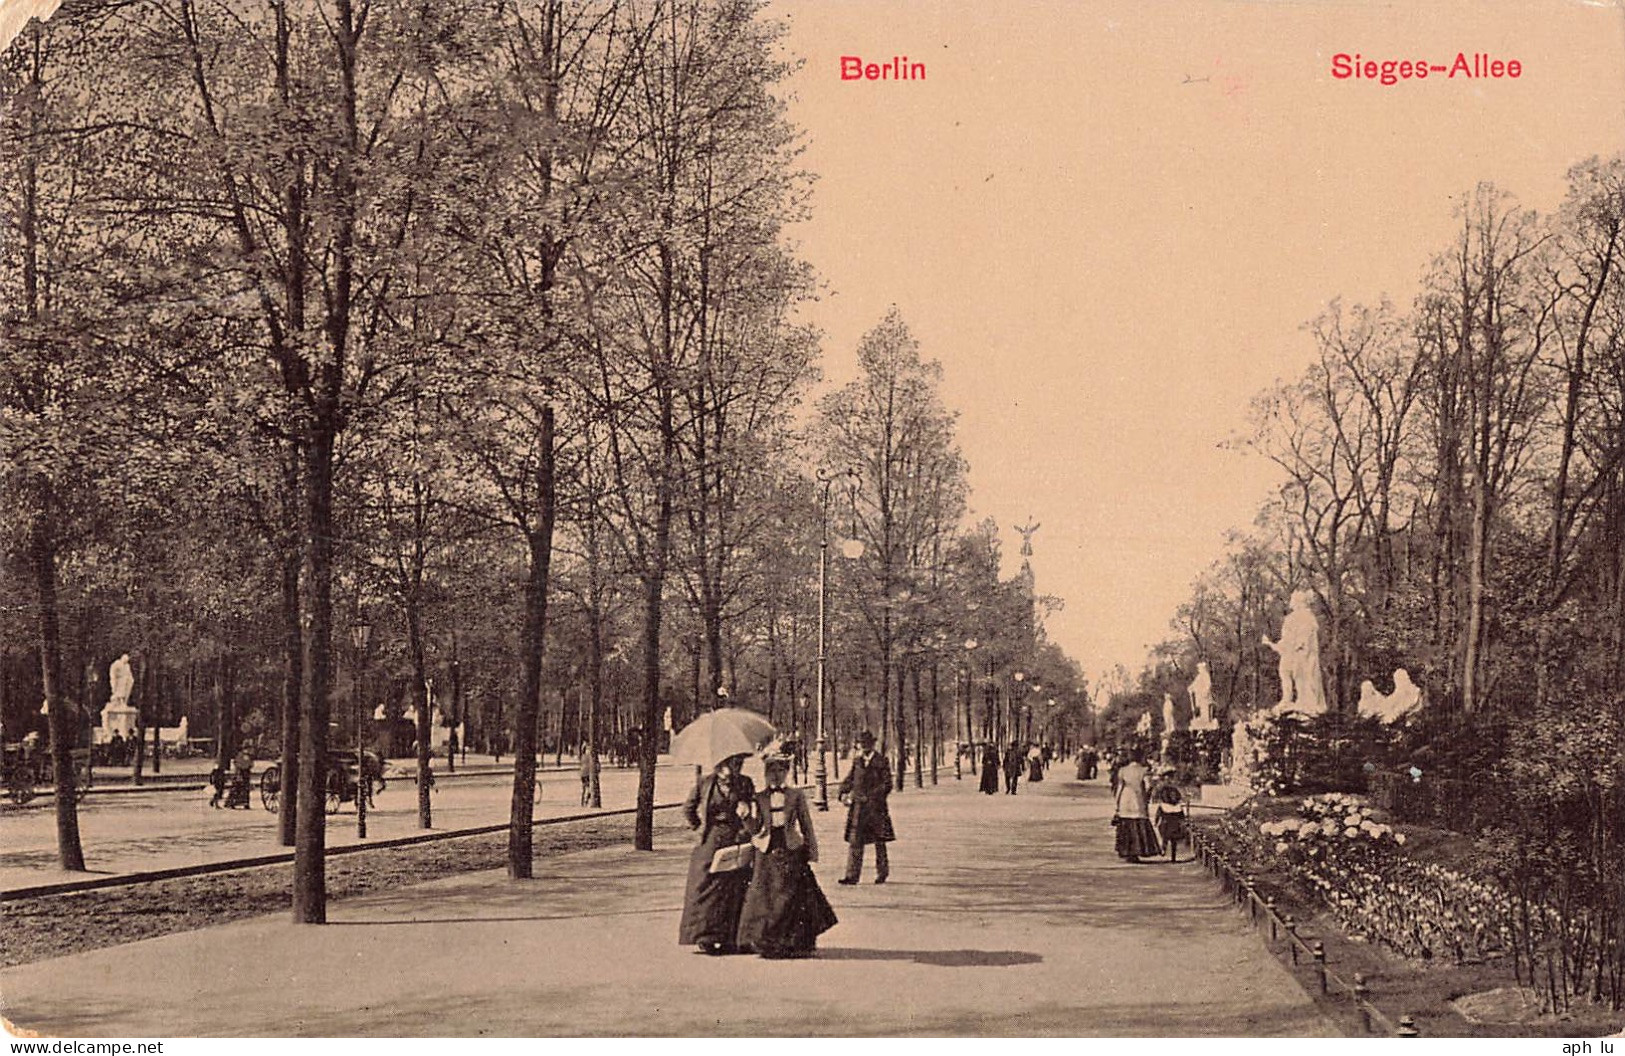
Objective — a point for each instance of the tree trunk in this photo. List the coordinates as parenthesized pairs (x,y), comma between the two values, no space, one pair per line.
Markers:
(901,727)
(936,724)
(425,710)
(540,541)
(293,677)
(1473,633)
(64,725)
(919,727)
(310,825)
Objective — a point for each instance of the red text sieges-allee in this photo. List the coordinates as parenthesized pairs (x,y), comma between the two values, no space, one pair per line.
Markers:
(1471,66)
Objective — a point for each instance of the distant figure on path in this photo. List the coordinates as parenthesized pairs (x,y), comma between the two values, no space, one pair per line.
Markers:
(1035,764)
(719,806)
(864,790)
(242,780)
(1136,838)
(1013,763)
(589,767)
(1168,812)
(784,911)
(990,769)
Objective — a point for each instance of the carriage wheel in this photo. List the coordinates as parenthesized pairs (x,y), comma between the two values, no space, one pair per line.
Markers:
(335,791)
(271,788)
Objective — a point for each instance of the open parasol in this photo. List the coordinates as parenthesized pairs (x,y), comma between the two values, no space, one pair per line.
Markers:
(716,735)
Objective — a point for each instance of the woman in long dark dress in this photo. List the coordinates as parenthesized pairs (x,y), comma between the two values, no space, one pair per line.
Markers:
(1136,838)
(785,911)
(720,806)
(990,770)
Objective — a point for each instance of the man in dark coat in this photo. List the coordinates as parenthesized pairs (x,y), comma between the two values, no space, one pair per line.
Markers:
(1014,763)
(864,790)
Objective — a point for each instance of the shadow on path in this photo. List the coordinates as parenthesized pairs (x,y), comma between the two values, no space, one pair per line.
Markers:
(939,958)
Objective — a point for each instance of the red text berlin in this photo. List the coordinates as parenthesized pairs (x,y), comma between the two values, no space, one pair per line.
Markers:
(898,69)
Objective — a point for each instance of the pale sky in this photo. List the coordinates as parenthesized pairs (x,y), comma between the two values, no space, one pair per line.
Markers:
(1109,261)
(14,14)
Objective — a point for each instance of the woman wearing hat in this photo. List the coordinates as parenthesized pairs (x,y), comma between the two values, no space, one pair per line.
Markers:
(720,807)
(785,911)
(1136,838)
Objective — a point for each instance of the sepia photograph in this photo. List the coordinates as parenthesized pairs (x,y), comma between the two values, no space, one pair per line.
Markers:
(692,519)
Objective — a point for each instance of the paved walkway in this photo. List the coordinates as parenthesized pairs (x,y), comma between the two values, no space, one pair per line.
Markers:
(1004,916)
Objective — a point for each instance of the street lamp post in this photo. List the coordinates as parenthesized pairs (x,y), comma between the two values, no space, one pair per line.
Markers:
(851,548)
(970,734)
(1012,721)
(359,635)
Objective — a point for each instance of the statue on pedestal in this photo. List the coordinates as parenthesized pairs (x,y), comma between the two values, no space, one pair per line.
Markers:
(1299,647)
(118,717)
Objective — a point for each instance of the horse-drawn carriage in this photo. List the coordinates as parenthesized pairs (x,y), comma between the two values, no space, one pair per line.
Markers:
(341,783)
(24,768)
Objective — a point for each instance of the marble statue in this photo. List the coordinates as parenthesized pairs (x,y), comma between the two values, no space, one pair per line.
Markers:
(1405,698)
(1299,648)
(1242,762)
(1201,691)
(1167,714)
(1143,727)
(121,681)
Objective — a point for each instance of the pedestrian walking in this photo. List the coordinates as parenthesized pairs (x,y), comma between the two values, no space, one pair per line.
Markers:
(242,780)
(990,769)
(864,790)
(1168,812)
(719,868)
(784,910)
(217,780)
(1035,764)
(1136,838)
(1013,762)
(589,768)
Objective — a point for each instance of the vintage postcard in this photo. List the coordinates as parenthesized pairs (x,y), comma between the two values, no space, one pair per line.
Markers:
(626,519)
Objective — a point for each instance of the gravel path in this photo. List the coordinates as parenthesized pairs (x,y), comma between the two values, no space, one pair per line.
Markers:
(42,928)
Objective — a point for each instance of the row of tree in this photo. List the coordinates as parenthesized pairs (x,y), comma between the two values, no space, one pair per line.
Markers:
(472,323)
(1453,477)
(1453,494)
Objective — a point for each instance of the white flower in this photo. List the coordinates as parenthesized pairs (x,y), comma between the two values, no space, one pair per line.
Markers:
(1280,847)
(1399,838)
(1351,832)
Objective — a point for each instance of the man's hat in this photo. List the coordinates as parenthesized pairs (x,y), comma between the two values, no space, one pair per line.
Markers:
(866,739)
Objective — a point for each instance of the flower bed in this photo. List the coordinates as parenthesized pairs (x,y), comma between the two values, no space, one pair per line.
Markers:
(1337,849)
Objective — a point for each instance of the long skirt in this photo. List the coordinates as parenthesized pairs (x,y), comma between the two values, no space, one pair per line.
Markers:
(785,911)
(990,779)
(712,901)
(1136,838)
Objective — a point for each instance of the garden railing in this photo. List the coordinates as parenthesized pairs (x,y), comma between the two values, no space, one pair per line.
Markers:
(1239,884)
